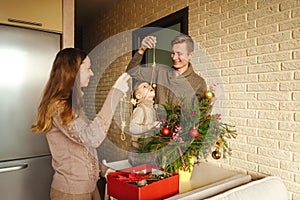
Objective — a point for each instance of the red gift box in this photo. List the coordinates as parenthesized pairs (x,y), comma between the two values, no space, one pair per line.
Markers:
(160,189)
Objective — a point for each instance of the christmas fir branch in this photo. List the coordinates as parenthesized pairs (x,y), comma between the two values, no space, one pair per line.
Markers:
(174,152)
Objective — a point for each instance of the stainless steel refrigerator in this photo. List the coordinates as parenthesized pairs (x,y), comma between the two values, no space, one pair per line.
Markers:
(26,58)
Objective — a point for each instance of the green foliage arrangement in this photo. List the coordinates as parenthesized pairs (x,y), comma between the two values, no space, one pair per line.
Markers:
(188,130)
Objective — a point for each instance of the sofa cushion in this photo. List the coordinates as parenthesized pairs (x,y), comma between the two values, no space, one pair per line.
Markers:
(270,187)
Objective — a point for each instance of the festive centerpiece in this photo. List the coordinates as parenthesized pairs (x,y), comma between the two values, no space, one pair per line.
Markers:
(188,133)
(140,182)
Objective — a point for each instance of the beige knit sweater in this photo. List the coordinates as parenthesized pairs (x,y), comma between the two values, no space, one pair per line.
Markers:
(73,148)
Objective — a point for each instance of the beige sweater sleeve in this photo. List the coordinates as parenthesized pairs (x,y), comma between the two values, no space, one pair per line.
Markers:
(105,115)
(91,133)
(136,124)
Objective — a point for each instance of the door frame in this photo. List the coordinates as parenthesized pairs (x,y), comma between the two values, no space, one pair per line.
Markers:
(180,17)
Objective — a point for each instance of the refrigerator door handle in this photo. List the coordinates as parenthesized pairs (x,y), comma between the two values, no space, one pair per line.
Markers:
(13,168)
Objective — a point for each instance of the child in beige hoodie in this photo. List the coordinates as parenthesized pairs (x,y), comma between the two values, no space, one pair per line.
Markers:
(143,118)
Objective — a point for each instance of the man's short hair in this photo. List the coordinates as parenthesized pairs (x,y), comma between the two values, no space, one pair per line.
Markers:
(184,38)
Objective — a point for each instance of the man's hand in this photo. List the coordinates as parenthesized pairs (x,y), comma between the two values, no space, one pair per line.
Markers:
(217,91)
(147,43)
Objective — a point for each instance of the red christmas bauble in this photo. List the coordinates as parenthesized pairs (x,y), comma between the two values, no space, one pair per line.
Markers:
(165,131)
(194,133)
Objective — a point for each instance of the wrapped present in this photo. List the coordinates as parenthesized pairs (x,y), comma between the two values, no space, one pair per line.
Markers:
(142,182)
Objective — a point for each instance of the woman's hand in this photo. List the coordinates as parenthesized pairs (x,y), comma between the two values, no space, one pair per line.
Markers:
(122,83)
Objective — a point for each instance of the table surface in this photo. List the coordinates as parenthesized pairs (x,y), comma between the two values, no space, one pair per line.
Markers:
(205,176)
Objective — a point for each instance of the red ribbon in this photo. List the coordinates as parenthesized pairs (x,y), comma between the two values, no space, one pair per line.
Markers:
(181,157)
(132,177)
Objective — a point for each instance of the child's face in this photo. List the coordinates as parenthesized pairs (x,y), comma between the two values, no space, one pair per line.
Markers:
(144,90)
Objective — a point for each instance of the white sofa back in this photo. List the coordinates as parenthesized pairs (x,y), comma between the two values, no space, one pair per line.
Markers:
(268,188)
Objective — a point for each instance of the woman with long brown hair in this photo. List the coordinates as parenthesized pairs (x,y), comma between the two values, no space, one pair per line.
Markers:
(71,136)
